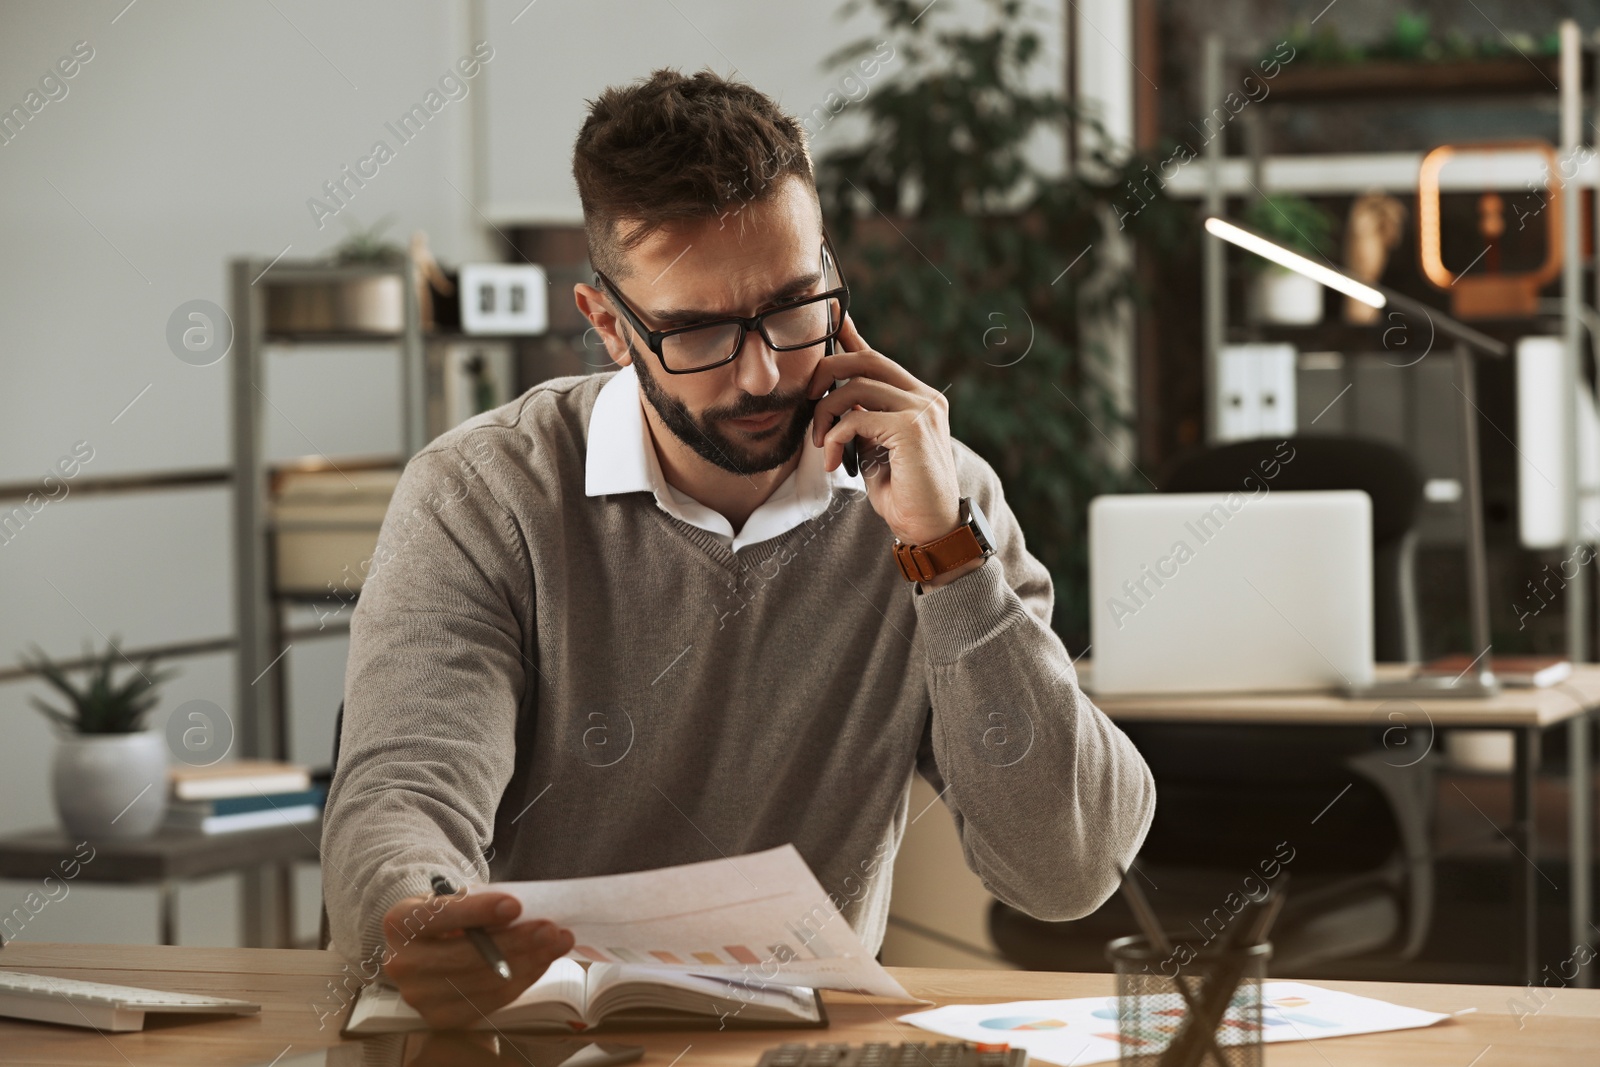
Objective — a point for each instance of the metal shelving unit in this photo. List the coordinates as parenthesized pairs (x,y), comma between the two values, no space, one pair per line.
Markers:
(260,689)
(1566,76)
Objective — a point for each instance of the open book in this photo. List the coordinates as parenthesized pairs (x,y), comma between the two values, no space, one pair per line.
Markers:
(614,996)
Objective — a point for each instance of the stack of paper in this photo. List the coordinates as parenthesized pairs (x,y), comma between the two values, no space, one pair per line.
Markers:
(1085,1030)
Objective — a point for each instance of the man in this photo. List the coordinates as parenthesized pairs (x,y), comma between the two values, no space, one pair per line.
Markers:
(648,617)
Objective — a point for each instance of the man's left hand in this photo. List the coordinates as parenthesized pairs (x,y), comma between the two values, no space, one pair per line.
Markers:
(902,432)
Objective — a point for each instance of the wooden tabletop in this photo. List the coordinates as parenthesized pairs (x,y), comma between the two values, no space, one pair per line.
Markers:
(176,854)
(1511,707)
(1561,1029)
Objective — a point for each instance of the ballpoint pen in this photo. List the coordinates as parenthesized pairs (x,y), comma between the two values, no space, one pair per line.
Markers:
(485,944)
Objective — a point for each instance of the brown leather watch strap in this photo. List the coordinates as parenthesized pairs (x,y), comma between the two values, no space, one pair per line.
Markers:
(921,563)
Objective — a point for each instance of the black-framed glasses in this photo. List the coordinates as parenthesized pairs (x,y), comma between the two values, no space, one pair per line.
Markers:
(790,326)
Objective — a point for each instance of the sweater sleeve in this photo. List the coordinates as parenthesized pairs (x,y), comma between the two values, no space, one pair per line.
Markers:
(1049,797)
(432,689)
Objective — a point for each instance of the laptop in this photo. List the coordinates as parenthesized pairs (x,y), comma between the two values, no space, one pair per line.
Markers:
(1230,592)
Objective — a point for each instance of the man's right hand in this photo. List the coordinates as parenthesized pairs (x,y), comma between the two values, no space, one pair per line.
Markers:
(439,972)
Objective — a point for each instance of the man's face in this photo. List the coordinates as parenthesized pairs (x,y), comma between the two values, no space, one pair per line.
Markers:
(752,414)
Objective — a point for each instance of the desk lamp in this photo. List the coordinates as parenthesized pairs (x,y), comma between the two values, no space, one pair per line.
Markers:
(1478,680)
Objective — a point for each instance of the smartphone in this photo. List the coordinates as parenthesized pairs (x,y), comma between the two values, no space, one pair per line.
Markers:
(852,456)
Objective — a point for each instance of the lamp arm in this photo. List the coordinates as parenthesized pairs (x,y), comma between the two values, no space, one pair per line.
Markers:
(1457,329)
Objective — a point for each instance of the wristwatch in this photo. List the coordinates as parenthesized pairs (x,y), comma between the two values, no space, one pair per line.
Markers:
(971,540)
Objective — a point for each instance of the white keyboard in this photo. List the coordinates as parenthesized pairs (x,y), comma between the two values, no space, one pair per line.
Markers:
(72,1002)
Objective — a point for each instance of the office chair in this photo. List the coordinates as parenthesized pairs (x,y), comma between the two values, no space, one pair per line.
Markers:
(1352,815)
(1386,474)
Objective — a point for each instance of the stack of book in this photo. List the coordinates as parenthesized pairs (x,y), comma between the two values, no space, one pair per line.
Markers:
(241,795)
(1516,672)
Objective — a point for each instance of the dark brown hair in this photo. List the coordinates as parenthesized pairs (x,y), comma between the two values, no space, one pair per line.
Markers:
(671,147)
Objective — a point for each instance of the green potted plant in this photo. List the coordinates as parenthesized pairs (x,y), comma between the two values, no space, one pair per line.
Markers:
(376,304)
(366,244)
(1278,294)
(980,266)
(370,299)
(109,775)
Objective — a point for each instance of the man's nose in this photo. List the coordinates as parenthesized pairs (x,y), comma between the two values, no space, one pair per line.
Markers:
(756,369)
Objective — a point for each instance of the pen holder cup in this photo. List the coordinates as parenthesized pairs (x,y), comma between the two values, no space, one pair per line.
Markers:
(1156,1024)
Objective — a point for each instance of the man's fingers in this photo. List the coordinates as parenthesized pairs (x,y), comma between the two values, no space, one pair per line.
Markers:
(440,971)
(435,917)
(865,363)
(870,393)
(850,337)
(525,945)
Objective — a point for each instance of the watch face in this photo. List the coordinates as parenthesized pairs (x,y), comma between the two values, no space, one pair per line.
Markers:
(980,525)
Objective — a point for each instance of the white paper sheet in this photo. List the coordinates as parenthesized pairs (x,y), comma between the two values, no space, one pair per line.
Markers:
(762,917)
(1085,1030)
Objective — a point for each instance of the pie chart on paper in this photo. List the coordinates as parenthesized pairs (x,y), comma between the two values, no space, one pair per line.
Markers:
(1022,1022)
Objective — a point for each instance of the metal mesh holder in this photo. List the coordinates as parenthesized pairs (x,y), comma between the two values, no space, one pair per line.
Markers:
(1151,1012)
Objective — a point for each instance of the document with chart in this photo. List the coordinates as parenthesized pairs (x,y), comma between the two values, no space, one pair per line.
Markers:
(761,917)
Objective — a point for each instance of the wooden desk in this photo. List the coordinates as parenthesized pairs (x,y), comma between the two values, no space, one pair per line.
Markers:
(290,983)
(1525,712)
(167,858)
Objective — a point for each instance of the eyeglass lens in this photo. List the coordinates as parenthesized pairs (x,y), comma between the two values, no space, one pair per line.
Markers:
(800,326)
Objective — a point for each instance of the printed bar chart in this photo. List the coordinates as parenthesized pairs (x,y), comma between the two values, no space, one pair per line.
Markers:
(758,917)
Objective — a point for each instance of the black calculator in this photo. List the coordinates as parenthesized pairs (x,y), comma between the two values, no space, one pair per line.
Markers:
(883,1054)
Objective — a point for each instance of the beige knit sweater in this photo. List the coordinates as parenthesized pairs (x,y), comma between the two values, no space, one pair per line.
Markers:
(545,685)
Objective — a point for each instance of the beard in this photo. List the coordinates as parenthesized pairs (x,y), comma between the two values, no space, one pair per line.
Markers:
(741,454)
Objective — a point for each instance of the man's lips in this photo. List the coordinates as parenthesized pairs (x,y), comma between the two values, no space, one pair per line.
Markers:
(758,422)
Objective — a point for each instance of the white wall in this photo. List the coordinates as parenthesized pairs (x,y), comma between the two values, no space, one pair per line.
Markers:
(196,133)
(556,56)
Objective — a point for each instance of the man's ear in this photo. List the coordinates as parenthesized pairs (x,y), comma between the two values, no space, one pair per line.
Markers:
(603,321)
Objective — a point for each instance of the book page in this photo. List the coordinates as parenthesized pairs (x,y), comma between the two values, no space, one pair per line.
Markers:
(558,995)
(619,987)
(757,917)
(562,983)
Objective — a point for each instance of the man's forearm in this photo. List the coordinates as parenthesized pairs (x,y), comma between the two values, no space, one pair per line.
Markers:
(1053,798)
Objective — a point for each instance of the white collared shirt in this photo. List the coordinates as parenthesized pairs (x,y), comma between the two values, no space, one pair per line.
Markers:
(621,458)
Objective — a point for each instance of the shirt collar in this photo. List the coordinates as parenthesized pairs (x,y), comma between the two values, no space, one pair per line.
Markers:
(621,457)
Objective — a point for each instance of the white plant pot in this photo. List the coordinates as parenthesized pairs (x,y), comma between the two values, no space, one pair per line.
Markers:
(1281,296)
(111,785)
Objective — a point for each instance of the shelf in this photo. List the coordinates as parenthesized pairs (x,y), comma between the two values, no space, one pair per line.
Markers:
(125,483)
(301,272)
(351,462)
(350,337)
(1350,338)
(1385,79)
(343,337)
(1354,173)
(165,855)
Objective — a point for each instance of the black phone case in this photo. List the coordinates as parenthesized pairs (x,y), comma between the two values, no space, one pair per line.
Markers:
(852,457)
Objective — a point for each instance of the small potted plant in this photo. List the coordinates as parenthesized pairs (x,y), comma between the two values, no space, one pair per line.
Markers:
(109,776)
(374,304)
(1278,294)
(364,302)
